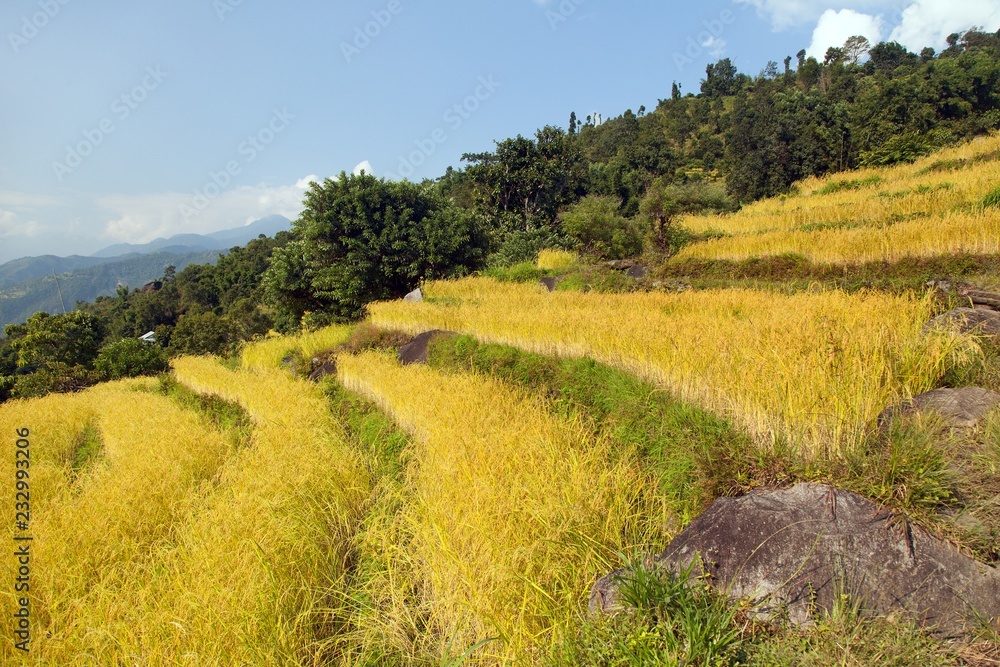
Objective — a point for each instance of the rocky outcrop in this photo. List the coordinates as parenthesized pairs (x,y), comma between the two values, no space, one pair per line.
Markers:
(416,296)
(798,550)
(964,407)
(415,352)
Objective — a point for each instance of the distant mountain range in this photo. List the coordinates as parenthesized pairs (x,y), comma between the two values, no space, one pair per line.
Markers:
(31,284)
(184,243)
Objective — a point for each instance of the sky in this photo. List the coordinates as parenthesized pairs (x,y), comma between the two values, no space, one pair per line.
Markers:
(126,121)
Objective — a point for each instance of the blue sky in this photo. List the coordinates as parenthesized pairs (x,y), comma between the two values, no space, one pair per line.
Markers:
(126,121)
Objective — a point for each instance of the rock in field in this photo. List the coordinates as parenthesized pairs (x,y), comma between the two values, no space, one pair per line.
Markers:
(415,352)
(801,548)
(416,296)
(981,321)
(964,407)
(548,283)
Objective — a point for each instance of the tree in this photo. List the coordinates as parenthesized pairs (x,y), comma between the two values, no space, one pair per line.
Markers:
(887,56)
(664,201)
(362,239)
(71,339)
(524,182)
(834,55)
(855,48)
(721,79)
(675,91)
(201,333)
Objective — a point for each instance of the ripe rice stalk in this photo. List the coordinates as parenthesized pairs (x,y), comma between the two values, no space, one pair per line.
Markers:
(511,513)
(811,368)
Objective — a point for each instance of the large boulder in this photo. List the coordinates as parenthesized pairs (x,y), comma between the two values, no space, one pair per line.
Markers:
(799,549)
(964,407)
(415,352)
(416,296)
(981,321)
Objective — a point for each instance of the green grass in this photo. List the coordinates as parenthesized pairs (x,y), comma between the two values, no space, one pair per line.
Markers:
(848,184)
(222,415)
(668,622)
(88,448)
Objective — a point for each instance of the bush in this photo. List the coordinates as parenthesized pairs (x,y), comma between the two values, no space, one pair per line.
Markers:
(130,358)
(55,377)
(516,247)
(596,226)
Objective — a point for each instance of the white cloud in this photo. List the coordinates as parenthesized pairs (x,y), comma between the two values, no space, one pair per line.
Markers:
(365,166)
(834,27)
(785,14)
(915,23)
(12,225)
(142,218)
(714,46)
(929,22)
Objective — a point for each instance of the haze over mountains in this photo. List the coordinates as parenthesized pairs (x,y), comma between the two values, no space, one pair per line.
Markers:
(29,284)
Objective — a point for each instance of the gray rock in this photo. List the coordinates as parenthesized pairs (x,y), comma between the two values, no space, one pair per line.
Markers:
(799,549)
(981,321)
(415,352)
(323,368)
(416,296)
(620,264)
(549,283)
(636,271)
(964,407)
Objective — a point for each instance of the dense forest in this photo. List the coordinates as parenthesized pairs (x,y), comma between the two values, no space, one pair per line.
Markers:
(610,189)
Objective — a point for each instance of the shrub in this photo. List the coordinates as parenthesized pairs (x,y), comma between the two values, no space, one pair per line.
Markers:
(55,377)
(596,226)
(130,358)
(524,246)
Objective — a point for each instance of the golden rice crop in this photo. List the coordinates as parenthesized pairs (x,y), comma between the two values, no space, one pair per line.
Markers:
(555,260)
(814,368)
(512,513)
(269,352)
(952,232)
(172,547)
(255,570)
(98,533)
(921,209)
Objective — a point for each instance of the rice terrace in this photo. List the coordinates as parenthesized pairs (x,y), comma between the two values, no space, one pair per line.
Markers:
(715,384)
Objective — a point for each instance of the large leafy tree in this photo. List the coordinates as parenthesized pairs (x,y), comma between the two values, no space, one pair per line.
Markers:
(73,338)
(524,182)
(362,239)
